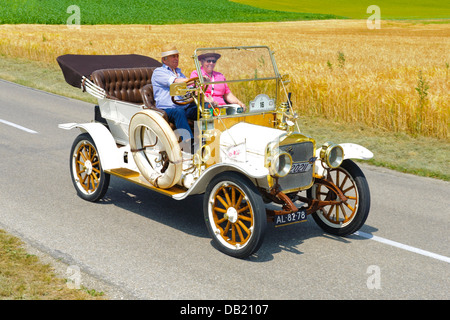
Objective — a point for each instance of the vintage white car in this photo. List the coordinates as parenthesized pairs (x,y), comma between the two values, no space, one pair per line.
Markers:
(254,166)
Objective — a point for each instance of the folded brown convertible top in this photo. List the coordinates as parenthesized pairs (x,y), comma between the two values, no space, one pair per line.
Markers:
(74,66)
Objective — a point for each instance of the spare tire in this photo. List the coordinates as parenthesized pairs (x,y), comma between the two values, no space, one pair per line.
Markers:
(155,149)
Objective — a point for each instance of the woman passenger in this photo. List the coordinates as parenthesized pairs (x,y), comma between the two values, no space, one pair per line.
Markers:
(219,93)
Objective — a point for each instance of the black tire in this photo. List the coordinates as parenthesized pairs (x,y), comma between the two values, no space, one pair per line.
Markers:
(88,177)
(235,214)
(348,217)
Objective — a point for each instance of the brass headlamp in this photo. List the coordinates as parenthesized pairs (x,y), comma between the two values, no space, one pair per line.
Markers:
(332,154)
(279,162)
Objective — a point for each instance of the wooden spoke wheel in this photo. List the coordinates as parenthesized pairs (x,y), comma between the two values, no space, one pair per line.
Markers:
(234,214)
(90,181)
(343,217)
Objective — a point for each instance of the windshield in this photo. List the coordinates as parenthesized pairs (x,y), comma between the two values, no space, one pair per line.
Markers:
(250,74)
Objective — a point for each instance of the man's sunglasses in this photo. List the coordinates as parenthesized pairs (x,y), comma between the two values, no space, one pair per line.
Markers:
(211,61)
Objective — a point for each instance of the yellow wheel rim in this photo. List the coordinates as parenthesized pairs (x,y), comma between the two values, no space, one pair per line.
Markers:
(87,167)
(232,214)
(344,212)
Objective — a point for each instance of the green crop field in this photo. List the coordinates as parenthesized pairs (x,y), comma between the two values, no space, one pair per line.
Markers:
(390,9)
(212,11)
(141,12)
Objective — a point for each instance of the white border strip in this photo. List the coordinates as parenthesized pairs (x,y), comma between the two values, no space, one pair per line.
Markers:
(17,126)
(403,246)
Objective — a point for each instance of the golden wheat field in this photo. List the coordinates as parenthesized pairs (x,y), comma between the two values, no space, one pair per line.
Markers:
(395,78)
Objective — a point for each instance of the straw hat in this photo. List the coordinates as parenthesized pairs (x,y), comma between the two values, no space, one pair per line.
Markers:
(209,54)
(168,50)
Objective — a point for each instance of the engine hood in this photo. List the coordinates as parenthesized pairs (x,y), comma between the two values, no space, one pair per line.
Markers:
(246,139)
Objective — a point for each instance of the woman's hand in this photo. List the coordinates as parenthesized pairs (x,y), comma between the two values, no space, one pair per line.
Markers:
(242,105)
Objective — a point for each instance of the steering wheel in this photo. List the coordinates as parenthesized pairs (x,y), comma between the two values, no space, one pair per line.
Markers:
(189,96)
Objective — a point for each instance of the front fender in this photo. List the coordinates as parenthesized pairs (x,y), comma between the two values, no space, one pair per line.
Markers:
(201,183)
(355,151)
(104,141)
(351,151)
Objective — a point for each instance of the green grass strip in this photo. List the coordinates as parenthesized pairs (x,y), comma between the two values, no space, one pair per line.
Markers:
(389,9)
(141,12)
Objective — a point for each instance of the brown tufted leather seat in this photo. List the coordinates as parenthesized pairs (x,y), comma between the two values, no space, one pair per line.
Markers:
(123,84)
(132,85)
(128,84)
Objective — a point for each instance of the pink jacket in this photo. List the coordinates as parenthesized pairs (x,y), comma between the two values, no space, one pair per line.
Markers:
(218,90)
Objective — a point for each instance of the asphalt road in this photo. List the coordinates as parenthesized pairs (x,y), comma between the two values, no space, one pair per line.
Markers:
(143,245)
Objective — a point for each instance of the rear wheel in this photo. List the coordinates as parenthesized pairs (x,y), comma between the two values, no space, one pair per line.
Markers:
(88,177)
(346,217)
(235,214)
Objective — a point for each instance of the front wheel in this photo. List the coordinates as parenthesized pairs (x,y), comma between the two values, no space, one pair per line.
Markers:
(88,177)
(346,217)
(235,214)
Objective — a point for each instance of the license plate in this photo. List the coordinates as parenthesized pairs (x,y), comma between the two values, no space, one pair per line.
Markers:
(289,218)
(300,167)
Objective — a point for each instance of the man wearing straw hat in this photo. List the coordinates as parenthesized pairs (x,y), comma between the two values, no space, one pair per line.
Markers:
(162,78)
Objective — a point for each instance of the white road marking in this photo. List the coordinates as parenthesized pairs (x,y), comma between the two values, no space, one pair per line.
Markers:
(17,126)
(403,246)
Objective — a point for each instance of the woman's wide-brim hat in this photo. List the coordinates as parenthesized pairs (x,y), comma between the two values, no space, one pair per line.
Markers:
(168,50)
(208,55)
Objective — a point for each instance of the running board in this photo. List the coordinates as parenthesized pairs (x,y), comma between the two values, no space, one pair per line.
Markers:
(136,177)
